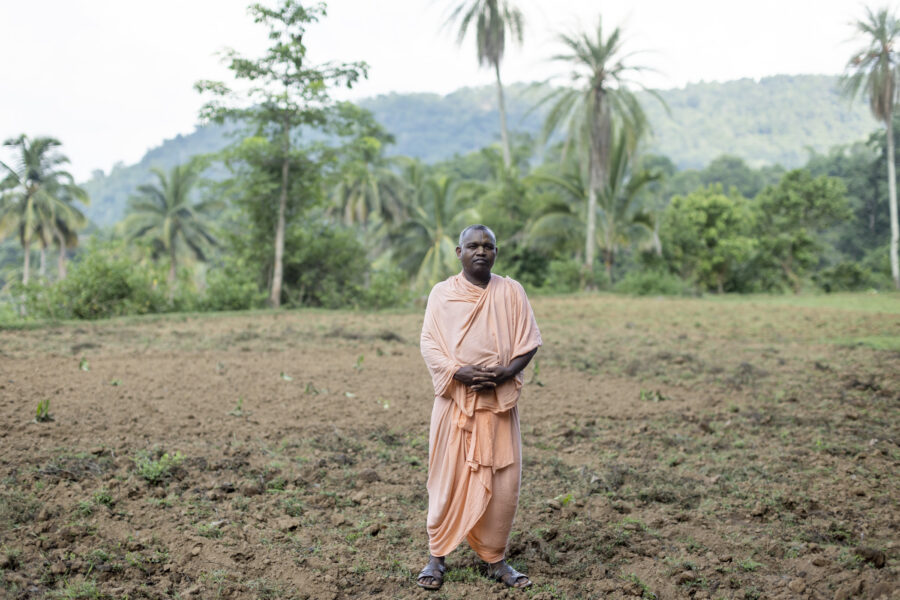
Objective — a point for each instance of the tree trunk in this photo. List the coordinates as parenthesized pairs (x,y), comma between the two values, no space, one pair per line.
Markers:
(892,203)
(796,283)
(173,269)
(61,261)
(26,268)
(42,270)
(608,263)
(599,159)
(278,272)
(504,134)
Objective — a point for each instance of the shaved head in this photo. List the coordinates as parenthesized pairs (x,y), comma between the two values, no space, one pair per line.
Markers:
(484,228)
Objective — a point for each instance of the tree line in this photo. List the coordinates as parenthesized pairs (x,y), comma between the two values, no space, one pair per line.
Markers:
(330,219)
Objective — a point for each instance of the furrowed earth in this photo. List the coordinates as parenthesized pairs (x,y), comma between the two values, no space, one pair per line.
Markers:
(673,448)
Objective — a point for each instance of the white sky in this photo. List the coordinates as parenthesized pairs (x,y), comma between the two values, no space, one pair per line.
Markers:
(113,78)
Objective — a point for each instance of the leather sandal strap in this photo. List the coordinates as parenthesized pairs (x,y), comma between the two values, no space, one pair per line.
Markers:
(510,577)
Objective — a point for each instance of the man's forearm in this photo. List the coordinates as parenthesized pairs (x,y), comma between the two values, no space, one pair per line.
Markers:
(519,363)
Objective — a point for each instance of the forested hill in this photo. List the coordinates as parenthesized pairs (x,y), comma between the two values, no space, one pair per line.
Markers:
(774,120)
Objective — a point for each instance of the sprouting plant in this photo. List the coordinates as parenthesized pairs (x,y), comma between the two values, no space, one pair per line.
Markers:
(102,496)
(115,382)
(286,377)
(359,362)
(84,365)
(385,404)
(564,498)
(238,410)
(750,565)
(652,396)
(155,471)
(86,508)
(311,389)
(645,589)
(42,414)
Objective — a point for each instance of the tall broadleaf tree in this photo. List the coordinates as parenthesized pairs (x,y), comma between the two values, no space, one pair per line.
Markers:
(600,97)
(491,20)
(37,197)
(873,71)
(165,213)
(285,92)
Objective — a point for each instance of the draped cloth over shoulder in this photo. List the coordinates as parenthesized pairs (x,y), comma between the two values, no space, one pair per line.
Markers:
(473,434)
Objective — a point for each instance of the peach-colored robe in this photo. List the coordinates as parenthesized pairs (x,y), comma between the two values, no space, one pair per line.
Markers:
(474,462)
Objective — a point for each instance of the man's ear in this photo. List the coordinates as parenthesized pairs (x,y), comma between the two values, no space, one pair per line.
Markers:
(458,252)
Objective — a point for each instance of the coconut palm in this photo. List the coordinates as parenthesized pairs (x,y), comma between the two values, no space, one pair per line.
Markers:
(367,188)
(424,245)
(492,20)
(37,197)
(873,70)
(589,110)
(621,220)
(164,213)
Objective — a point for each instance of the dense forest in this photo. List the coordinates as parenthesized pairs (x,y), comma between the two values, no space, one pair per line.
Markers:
(775,121)
(288,197)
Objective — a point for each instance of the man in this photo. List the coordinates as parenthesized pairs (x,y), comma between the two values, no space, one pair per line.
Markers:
(479,334)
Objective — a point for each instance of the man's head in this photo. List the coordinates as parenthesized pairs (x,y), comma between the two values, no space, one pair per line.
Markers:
(477,251)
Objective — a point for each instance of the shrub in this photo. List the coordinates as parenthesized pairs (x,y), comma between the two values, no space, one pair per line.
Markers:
(324,266)
(104,282)
(387,287)
(233,286)
(651,283)
(846,276)
(565,276)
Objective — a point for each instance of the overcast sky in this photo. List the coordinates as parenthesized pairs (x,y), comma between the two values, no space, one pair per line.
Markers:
(113,78)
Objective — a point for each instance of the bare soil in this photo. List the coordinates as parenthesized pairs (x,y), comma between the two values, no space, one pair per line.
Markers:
(673,449)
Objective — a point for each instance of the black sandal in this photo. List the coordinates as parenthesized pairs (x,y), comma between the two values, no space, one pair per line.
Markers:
(508,576)
(436,572)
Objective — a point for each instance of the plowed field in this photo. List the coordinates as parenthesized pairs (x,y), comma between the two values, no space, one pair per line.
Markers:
(673,448)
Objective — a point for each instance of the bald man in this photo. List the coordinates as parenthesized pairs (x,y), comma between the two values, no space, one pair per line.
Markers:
(478,335)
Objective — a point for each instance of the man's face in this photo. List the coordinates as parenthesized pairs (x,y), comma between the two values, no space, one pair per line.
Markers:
(477,253)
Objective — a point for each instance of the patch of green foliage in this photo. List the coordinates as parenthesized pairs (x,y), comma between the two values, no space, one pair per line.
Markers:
(156,470)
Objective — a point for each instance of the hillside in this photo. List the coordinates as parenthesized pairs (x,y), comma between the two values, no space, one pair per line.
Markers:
(773,121)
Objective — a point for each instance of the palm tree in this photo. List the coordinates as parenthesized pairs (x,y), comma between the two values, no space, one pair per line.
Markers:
(875,69)
(37,197)
(492,19)
(588,112)
(164,213)
(621,220)
(424,245)
(367,188)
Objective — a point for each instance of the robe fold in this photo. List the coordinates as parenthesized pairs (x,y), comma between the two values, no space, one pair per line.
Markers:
(474,462)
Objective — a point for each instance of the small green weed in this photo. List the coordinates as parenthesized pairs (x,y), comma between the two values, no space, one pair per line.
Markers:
(210,530)
(238,410)
(645,589)
(86,508)
(102,496)
(83,365)
(154,471)
(750,565)
(77,590)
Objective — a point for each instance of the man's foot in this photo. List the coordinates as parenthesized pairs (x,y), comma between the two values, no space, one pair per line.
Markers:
(505,574)
(432,576)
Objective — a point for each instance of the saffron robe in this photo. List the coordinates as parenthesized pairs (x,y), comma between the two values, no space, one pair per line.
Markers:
(474,460)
